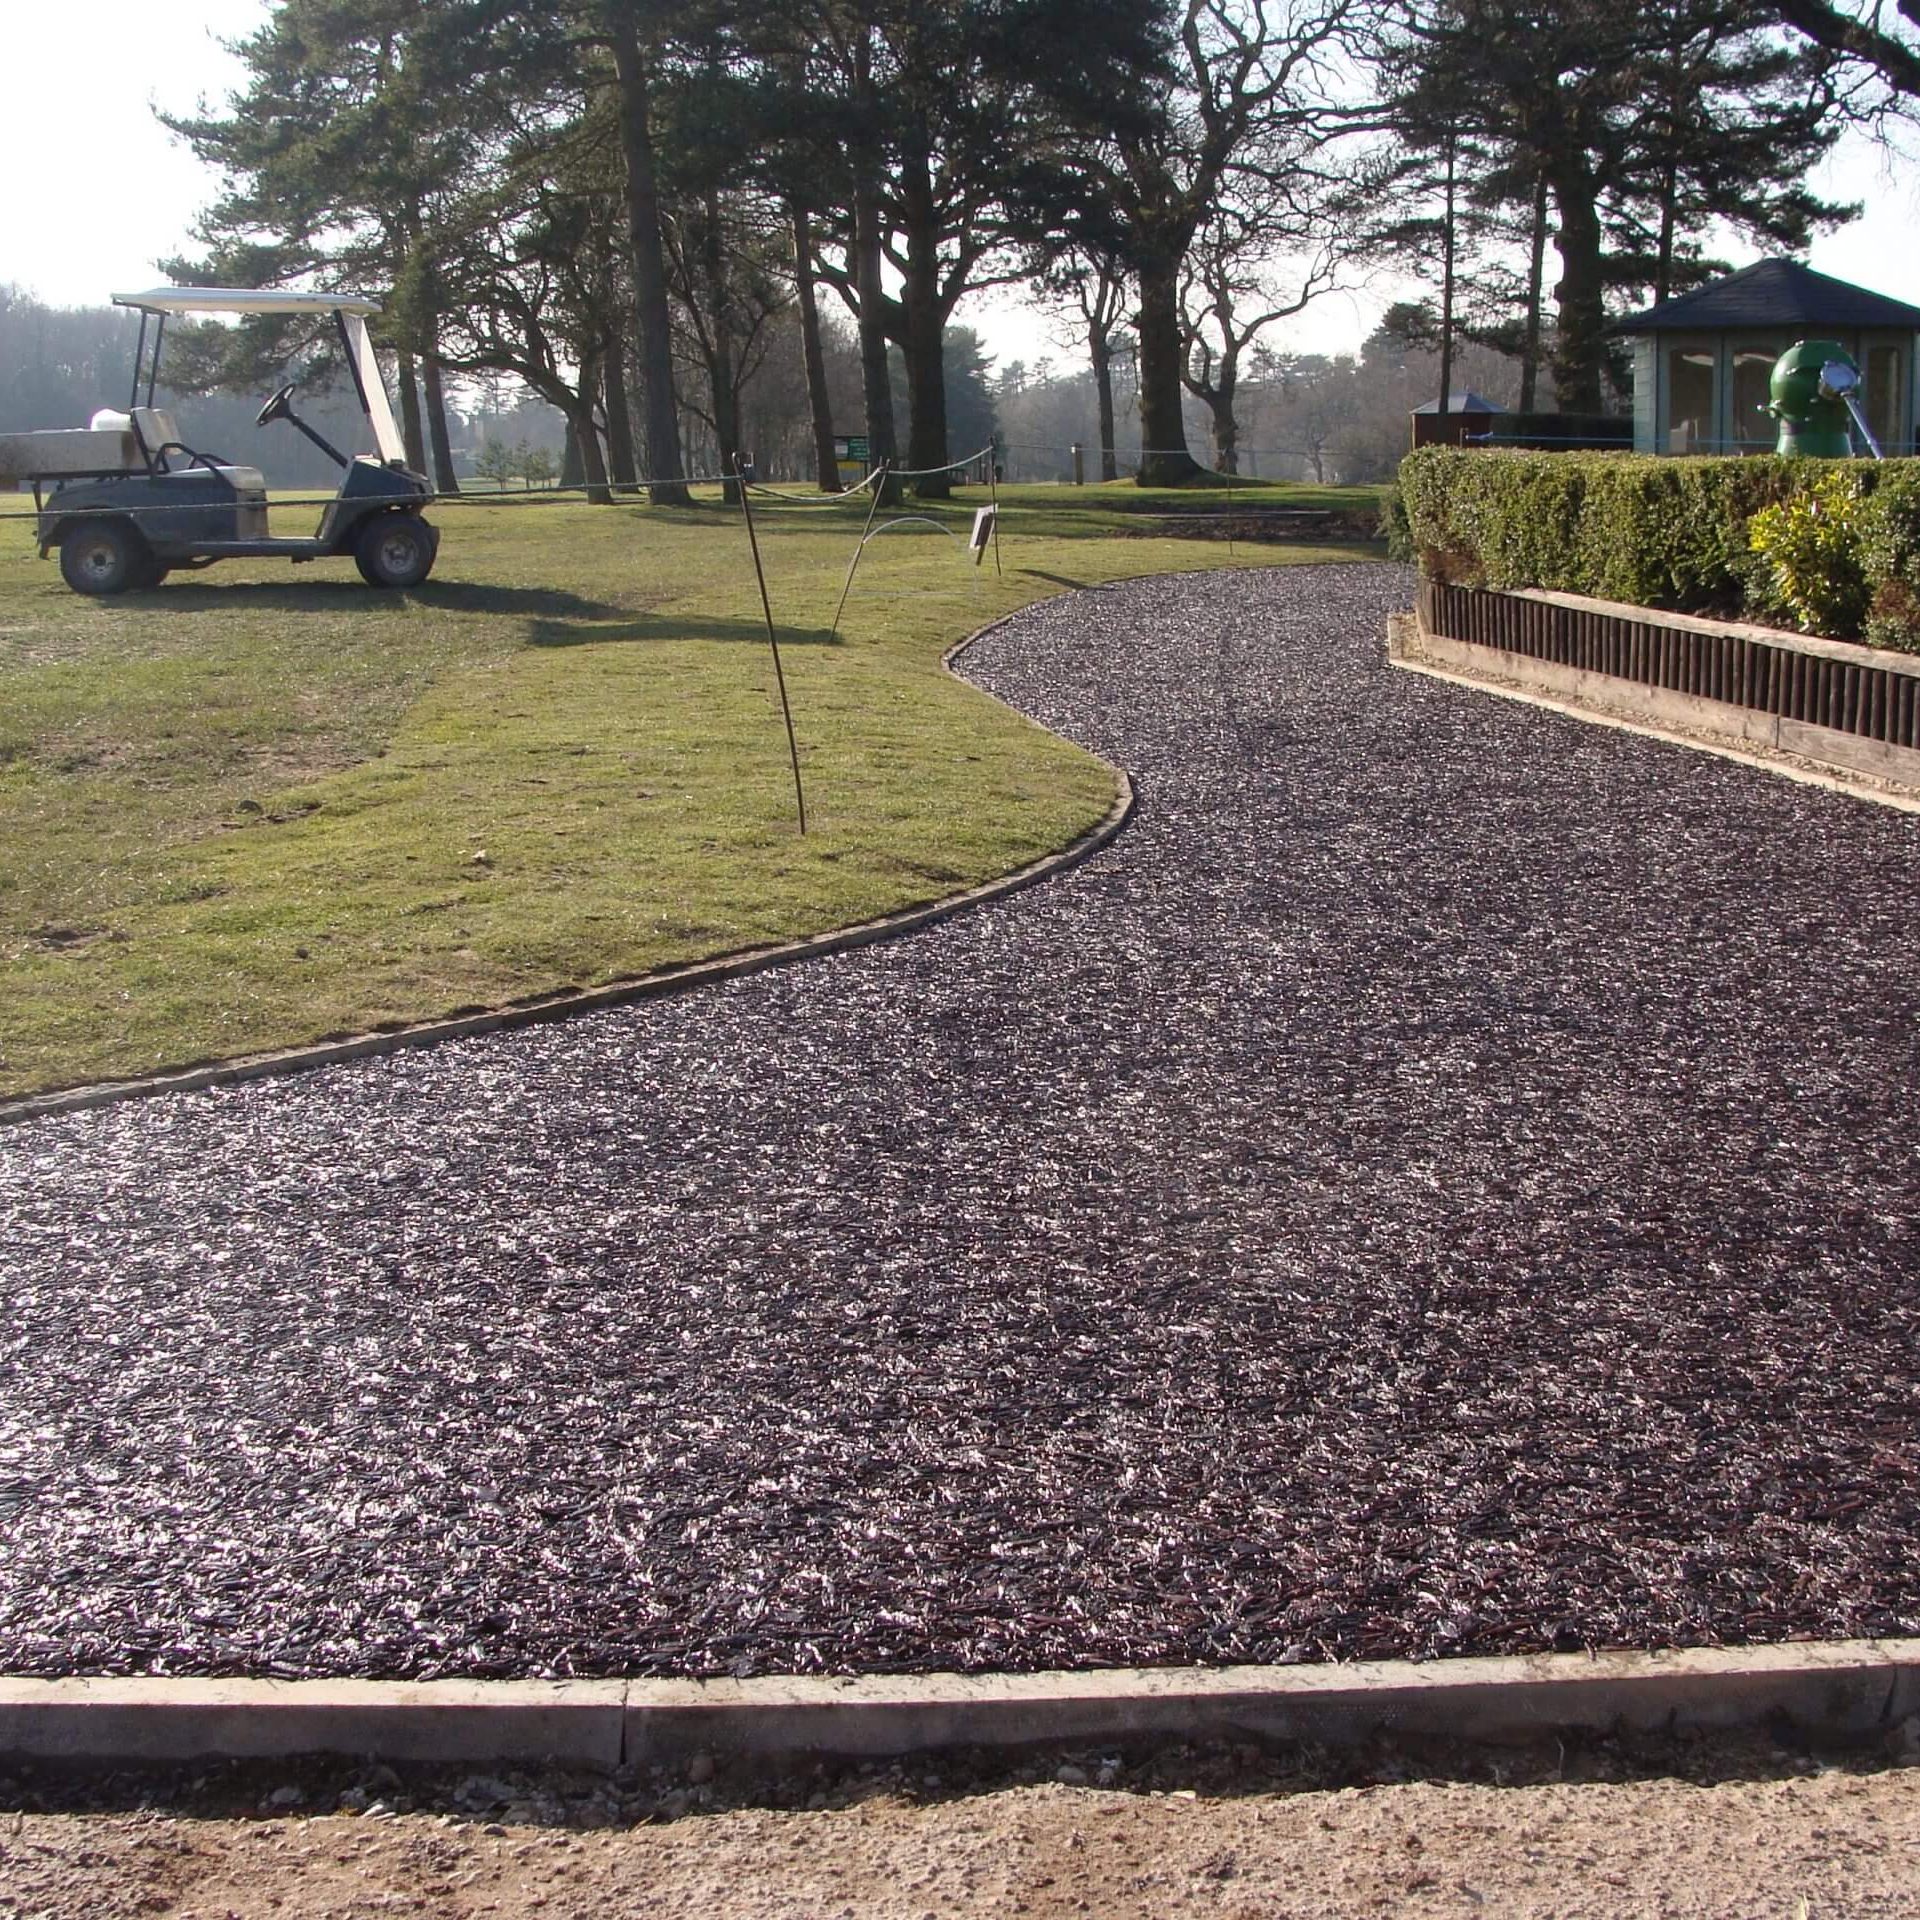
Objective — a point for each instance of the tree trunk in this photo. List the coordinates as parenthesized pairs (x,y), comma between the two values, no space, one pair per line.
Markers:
(573,467)
(1663,277)
(875,378)
(410,433)
(580,418)
(1446,298)
(720,357)
(649,267)
(622,462)
(1164,459)
(585,435)
(1536,278)
(819,403)
(1100,352)
(445,480)
(1226,427)
(924,345)
(1580,353)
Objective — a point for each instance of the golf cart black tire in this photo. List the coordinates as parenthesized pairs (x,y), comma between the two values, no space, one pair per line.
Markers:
(394,550)
(104,556)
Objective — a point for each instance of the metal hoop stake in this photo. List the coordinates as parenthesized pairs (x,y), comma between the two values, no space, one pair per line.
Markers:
(773,641)
(846,586)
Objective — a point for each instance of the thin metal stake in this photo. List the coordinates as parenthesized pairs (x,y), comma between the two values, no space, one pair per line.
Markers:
(773,640)
(993,491)
(846,586)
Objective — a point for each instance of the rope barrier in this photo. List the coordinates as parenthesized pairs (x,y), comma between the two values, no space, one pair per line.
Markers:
(632,489)
(816,499)
(952,466)
(503,497)
(532,497)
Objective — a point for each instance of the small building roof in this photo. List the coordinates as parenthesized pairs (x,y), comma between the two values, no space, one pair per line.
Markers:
(1466,401)
(179,300)
(1773,293)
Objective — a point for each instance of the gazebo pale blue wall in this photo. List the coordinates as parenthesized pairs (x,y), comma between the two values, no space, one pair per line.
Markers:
(1701,361)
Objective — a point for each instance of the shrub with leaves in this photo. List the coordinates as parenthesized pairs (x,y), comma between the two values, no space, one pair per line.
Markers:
(1890,545)
(1394,528)
(1811,543)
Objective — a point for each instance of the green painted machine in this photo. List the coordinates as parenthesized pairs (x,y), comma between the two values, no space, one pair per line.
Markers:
(1816,399)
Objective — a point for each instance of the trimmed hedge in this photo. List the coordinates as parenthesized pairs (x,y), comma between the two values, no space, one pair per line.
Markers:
(1670,533)
(1890,552)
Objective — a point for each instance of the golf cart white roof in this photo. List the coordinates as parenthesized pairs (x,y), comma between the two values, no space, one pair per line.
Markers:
(244,300)
(349,309)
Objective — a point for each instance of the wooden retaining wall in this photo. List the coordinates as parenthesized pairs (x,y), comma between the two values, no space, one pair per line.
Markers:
(1825,700)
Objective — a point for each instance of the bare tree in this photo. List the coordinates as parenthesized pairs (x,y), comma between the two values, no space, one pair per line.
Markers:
(1253,96)
(726,292)
(1228,299)
(1090,287)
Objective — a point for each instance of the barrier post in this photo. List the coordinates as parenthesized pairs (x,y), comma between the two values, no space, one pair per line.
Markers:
(773,641)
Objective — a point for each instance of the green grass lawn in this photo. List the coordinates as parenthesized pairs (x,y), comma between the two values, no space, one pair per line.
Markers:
(261,805)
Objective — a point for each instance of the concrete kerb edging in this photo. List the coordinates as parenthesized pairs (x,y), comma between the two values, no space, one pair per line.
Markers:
(618,993)
(1844,1691)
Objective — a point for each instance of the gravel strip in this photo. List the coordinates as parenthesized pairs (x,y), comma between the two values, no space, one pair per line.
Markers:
(1443,1181)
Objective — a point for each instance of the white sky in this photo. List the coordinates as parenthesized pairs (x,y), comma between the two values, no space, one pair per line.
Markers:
(99,190)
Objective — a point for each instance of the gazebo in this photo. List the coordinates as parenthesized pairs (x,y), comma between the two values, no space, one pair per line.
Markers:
(1464,416)
(1702,360)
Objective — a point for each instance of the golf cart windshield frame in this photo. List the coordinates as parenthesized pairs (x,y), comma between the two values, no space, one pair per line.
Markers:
(349,314)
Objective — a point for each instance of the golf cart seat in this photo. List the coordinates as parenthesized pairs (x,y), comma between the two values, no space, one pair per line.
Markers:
(58,453)
(155,427)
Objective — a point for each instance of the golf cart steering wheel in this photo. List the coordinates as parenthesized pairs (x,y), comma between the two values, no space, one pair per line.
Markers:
(277,408)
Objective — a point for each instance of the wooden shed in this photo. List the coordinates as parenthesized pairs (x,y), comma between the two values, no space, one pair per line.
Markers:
(1702,360)
(1464,417)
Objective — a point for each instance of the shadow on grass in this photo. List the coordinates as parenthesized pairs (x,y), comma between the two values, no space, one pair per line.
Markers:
(670,627)
(352,595)
(1057,579)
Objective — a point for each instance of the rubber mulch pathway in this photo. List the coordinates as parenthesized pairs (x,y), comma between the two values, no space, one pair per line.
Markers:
(1442,1181)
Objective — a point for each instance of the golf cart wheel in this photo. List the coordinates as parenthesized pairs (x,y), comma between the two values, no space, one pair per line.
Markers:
(394,550)
(104,556)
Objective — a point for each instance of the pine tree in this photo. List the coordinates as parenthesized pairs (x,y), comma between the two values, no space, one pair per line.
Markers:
(1639,127)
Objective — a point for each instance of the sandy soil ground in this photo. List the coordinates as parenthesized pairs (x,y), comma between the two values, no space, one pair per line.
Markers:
(1691,1834)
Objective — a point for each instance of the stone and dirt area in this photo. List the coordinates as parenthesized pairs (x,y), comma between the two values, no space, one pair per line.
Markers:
(1677,1830)
(1441,1182)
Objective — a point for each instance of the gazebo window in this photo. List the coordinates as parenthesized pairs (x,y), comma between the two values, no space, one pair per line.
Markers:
(1885,374)
(1690,397)
(1752,429)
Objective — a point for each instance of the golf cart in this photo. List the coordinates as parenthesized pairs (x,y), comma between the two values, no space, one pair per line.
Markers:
(127,501)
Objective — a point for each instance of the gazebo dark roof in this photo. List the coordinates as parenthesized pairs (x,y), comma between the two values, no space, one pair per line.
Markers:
(1773,293)
(1465,401)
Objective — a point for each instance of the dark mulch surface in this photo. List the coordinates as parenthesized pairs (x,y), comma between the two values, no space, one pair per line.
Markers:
(1444,1181)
